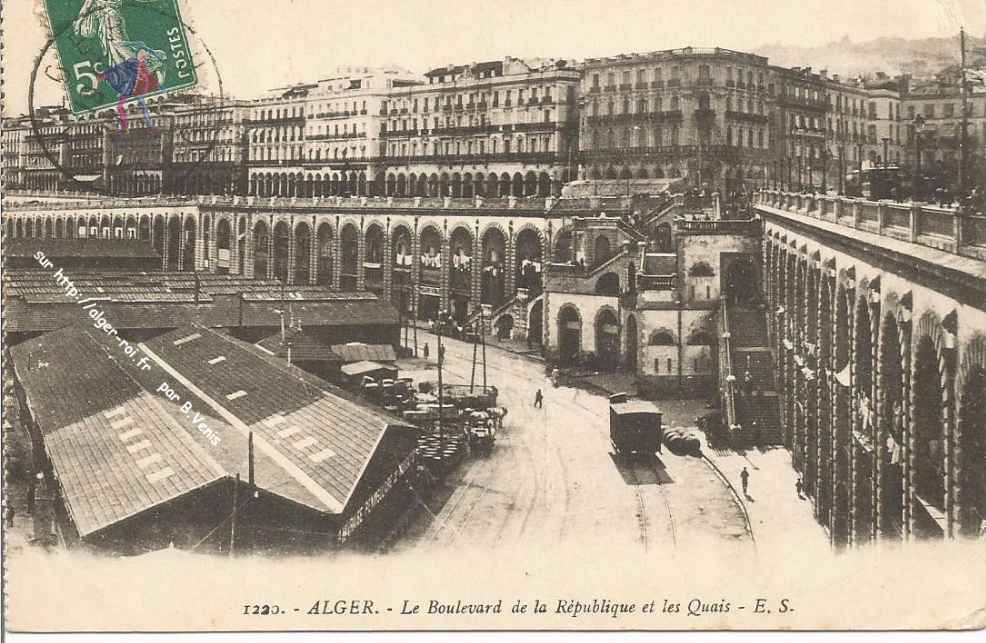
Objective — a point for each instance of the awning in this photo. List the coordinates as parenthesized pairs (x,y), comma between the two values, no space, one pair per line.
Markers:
(362,368)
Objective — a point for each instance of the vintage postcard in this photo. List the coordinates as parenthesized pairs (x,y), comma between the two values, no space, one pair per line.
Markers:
(523,316)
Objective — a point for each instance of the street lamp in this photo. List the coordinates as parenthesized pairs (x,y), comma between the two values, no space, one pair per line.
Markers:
(918,178)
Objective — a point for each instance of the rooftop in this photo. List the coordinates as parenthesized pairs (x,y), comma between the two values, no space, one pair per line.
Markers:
(119,448)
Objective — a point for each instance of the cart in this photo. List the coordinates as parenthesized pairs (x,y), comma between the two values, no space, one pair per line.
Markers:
(634,426)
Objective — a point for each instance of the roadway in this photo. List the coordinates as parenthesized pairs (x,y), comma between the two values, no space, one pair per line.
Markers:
(552,480)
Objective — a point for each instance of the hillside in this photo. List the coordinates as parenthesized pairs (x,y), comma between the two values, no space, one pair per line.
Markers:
(922,58)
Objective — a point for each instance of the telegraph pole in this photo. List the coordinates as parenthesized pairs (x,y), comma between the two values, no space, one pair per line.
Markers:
(965,118)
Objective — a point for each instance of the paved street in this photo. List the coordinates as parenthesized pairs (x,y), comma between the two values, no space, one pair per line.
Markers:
(551,479)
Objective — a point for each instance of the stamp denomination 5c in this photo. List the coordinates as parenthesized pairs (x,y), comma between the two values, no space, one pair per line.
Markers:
(113,52)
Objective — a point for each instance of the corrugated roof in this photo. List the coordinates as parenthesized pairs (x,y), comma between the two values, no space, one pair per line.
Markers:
(330,313)
(357,352)
(114,451)
(321,440)
(84,248)
(304,346)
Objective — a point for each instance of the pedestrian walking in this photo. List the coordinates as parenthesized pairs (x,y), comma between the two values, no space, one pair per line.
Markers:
(426,351)
(799,487)
(10,515)
(745,480)
(539,399)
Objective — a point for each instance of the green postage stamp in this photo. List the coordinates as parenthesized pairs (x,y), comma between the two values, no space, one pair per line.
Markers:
(113,52)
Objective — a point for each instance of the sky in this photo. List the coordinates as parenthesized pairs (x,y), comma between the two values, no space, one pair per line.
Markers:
(261,45)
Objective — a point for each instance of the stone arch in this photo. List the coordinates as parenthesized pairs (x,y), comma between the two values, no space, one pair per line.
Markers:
(529,257)
(864,375)
(188,244)
(374,250)
(842,418)
(302,252)
(349,244)
(143,228)
(971,438)
(608,284)
(535,324)
(930,418)
(460,268)
(607,332)
(325,244)
(494,249)
(662,337)
(569,333)
(563,251)
(261,249)
(224,235)
(891,434)
(280,248)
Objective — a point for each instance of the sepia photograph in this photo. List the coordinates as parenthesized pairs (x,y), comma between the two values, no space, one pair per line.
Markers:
(504,316)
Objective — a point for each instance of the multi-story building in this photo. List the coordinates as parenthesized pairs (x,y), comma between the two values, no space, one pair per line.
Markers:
(500,128)
(931,125)
(139,158)
(702,114)
(209,149)
(15,133)
(322,138)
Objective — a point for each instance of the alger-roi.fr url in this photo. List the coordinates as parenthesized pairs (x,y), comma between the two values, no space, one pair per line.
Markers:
(99,322)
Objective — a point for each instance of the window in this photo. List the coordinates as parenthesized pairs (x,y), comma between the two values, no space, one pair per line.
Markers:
(670,366)
(949,110)
(657,367)
(929,110)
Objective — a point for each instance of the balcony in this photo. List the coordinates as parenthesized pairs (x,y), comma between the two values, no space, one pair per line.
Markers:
(747,117)
(674,82)
(624,87)
(705,114)
(657,84)
(610,88)
(595,89)
(705,82)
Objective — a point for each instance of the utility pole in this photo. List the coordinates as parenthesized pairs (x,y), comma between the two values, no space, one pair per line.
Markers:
(232,519)
(965,119)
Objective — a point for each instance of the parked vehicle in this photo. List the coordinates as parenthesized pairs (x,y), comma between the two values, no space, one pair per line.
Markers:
(634,426)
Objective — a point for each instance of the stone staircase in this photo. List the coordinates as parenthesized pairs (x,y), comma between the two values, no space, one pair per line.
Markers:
(757,402)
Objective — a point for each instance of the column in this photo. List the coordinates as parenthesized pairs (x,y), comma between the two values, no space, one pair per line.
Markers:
(361,255)
(387,264)
(510,281)
(415,269)
(337,257)
(291,249)
(444,278)
(248,250)
(166,245)
(313,253)
(476,272)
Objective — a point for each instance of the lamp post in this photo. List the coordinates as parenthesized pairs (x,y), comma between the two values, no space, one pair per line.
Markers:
(918,178)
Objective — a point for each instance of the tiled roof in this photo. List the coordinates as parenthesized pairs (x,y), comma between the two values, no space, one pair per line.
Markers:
(330,313)
(304,346)
(114,451)
(63,248)
(321,440)
(357,352)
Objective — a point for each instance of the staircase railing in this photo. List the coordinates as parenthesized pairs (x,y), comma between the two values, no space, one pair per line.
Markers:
(727,378)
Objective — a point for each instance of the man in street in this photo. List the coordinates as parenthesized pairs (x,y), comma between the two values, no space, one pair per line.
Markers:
(539,399)
(800,488)
(745,480)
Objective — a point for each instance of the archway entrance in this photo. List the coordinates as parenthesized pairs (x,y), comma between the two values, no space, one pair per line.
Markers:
(929,452)
(607,339)
(890,447)
(972,441)
(864,460)
(282,237)
(569,334)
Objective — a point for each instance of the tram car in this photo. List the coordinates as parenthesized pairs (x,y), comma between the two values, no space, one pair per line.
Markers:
(634,426)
